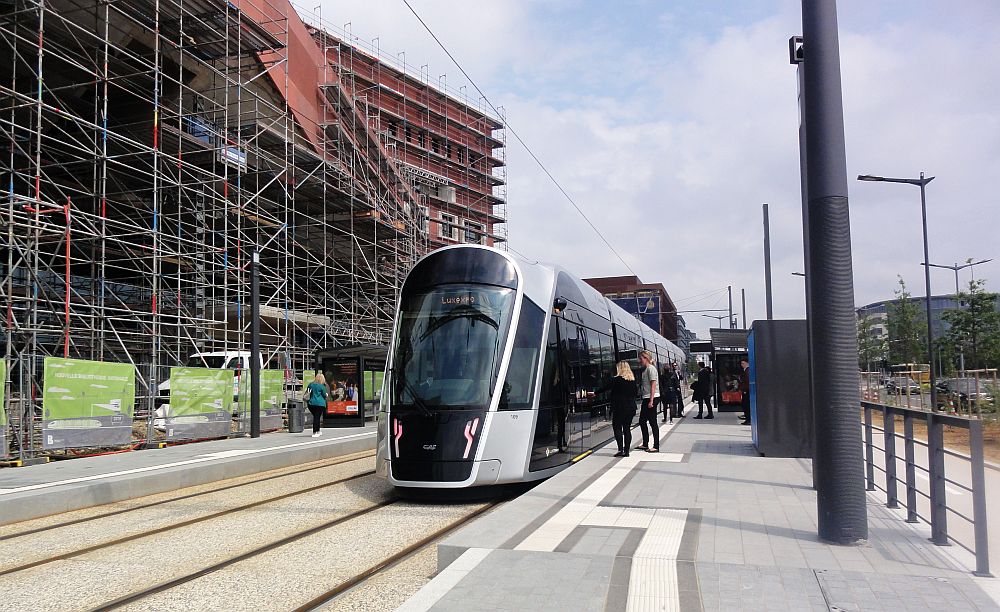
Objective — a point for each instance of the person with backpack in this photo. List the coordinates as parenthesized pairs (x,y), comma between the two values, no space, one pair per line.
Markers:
(316,395)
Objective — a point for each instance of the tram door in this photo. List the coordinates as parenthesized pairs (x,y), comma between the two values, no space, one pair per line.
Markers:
(549,444)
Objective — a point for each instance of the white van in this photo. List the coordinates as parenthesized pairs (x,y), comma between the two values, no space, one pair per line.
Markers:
(237,361)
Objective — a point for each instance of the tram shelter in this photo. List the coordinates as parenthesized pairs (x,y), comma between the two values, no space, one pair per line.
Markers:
(726,349)
(354,374)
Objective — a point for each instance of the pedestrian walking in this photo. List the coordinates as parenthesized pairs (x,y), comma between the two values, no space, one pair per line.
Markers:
(624,392)
(703,391)
(650,399)
(745,390)
(315,396)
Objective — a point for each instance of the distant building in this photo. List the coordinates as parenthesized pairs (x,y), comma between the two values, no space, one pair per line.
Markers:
(685,336)
(878,314)
(649,302)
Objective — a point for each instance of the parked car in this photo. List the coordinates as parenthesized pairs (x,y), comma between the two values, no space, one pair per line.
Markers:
(964,392)
(902,385)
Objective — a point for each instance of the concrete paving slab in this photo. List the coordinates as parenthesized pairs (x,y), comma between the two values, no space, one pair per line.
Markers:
(738,532)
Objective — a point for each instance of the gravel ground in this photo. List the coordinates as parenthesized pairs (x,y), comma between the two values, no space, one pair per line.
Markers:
(86,581)
(388,590)
(292,575)
(363,461)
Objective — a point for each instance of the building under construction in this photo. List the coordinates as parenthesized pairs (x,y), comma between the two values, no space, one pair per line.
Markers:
(150,148)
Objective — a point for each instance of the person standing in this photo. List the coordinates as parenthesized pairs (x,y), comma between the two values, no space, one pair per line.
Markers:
(624,391)
(745,390)
(650,398)
(703,391)
(316,395)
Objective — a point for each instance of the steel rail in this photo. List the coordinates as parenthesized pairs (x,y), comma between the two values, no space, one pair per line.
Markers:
(193,521)
(336,461)
(332,594)
(169,584)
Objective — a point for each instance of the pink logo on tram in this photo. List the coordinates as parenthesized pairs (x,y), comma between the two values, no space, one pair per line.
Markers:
(470,432)
(397,433)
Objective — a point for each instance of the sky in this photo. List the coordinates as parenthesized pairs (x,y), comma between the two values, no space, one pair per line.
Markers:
(670,123)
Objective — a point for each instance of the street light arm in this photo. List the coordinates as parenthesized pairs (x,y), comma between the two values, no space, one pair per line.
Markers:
(884,179)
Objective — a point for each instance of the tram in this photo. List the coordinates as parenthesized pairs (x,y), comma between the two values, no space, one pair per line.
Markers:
(495,370)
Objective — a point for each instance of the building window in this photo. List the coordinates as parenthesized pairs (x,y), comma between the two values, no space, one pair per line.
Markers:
(448,227)
(409,134)
(422,139)
(436,145)
(423,221)
(392,129)
(447,150)
(475,233)
(461,155)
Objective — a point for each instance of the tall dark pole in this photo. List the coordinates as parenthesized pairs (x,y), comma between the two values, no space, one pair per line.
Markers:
(255,346)
(730,289)
(842,515)
(743,297)
(767,267)
(927,289)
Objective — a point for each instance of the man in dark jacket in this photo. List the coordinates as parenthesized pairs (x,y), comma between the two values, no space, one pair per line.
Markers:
(745,390)
(704,391)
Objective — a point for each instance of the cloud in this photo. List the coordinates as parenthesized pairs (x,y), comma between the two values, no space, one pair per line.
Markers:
(671,127)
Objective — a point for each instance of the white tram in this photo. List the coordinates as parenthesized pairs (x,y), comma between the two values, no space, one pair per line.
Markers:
(494,370)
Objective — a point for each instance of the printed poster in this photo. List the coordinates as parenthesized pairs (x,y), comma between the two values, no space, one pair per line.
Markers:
(342,378)
(201,403)
(86,403)
(3,408)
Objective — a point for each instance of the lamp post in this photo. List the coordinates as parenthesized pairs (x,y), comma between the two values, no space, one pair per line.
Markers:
(922,183)
(968,264)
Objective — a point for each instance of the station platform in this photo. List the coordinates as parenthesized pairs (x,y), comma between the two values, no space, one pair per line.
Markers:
(706,524)
(60,486)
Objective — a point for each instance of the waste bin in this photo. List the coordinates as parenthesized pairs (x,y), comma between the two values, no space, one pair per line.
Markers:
(295,416)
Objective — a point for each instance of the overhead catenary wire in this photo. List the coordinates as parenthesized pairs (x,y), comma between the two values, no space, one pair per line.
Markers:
(520,140)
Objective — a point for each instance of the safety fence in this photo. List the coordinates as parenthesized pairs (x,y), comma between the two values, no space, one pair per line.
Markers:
(82,407)
(941,470)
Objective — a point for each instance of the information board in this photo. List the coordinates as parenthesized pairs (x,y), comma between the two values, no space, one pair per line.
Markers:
(86,403)
(343,378)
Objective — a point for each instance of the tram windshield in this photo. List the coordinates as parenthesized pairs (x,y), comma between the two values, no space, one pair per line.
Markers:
(448,347)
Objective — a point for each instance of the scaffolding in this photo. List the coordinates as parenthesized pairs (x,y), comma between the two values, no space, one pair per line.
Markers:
(149,148)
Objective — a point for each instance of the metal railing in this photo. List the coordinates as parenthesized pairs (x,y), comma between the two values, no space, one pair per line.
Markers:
(934,470)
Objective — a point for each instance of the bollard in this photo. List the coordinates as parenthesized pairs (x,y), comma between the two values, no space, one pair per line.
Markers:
(889,443)
(935,463)
(979,516)
(869,450)
(911,475)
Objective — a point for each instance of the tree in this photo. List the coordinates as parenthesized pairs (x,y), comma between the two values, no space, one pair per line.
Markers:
(974,329)
(907,328)
(871,345)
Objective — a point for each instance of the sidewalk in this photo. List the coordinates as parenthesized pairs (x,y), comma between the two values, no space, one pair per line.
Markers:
(61,486)
(705,524)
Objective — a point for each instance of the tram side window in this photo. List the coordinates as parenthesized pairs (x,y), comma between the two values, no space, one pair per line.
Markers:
(549,444)
(519,386)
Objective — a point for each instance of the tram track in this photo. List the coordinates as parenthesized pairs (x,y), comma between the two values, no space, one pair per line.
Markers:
(291,472)
(215,567)
(331,595)
(192,521)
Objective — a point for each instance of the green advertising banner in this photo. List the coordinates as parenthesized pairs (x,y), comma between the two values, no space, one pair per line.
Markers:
(272,398)
(3,408)
(87,403)
(200,403)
